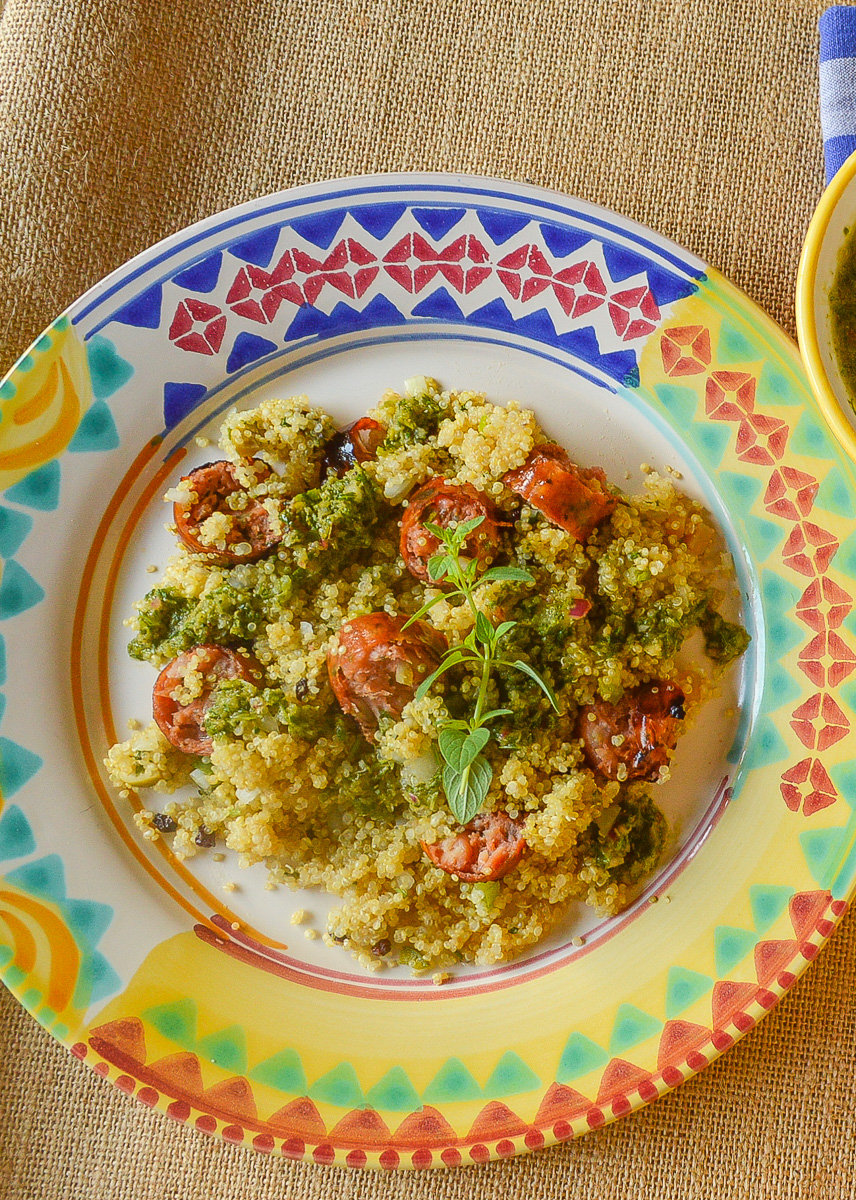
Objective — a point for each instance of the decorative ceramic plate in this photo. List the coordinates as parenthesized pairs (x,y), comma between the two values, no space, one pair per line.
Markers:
(207,1003)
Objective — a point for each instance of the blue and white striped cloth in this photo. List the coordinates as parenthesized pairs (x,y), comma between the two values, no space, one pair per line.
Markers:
(838,85)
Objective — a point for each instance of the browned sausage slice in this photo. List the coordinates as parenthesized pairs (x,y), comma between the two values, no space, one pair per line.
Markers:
(574,498)
(358,443)
(250,527)
(446,504)
(486,849)
(375,665)
(184,724)
(645,723)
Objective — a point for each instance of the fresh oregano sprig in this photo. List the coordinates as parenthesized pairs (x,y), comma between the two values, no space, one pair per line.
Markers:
(467,772)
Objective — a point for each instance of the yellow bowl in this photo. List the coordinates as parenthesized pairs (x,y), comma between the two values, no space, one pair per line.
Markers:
(834,217)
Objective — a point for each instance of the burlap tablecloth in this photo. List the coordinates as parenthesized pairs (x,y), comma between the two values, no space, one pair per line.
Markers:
(121,122)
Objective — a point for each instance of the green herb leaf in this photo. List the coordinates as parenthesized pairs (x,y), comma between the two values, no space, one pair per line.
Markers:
(451,741)
(481,776)
(485,632)
(503,629)
(412,958)
(506,575)
(464,528)
(495,712)
(466,790)
(450,660)
(461,747)
(467,773)
(420,612)
(453,784)
(542,683)
(473,746)
(438,566)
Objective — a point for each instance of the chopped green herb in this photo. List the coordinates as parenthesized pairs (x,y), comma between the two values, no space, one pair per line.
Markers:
(340,515)
(414,420)
(723,640)
(626,840)
(410,957)
(160,615)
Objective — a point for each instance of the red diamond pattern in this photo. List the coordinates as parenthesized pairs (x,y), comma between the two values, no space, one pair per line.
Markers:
(808,786)
(819,723)
(525,273)
(685,350)
(827,660)
(413,262)
(790,493)
(349,268)
(730,396)
(761,439)
(257,294)
(579,288)
(197,326)
(824,605)
(299,278)
(809,549)
(634,312)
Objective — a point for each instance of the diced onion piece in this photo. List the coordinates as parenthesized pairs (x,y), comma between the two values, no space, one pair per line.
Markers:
(397,491)
(417,386)
(420,770)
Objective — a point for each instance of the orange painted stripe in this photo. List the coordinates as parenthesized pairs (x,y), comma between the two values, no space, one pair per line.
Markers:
(40,401)
(211,902)
(65,956)
(145,499)
(55,440)
(104,795)
(108,596)
(25,943)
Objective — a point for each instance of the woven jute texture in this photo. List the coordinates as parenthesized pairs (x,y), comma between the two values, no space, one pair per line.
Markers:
(124,120)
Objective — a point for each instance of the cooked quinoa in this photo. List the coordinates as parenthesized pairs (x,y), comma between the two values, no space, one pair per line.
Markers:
(292,782)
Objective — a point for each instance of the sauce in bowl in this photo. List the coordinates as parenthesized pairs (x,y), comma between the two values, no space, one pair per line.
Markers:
(842,313)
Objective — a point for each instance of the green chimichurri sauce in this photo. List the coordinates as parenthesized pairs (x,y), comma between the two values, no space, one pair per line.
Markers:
(842,311)
(627,839)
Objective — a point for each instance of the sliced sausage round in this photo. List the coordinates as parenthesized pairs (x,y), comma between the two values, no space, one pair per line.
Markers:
(184,724)
(358,443)
(375,665)
(444,504)
(638,732)
(249,527)
(486,849)
(572,497)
